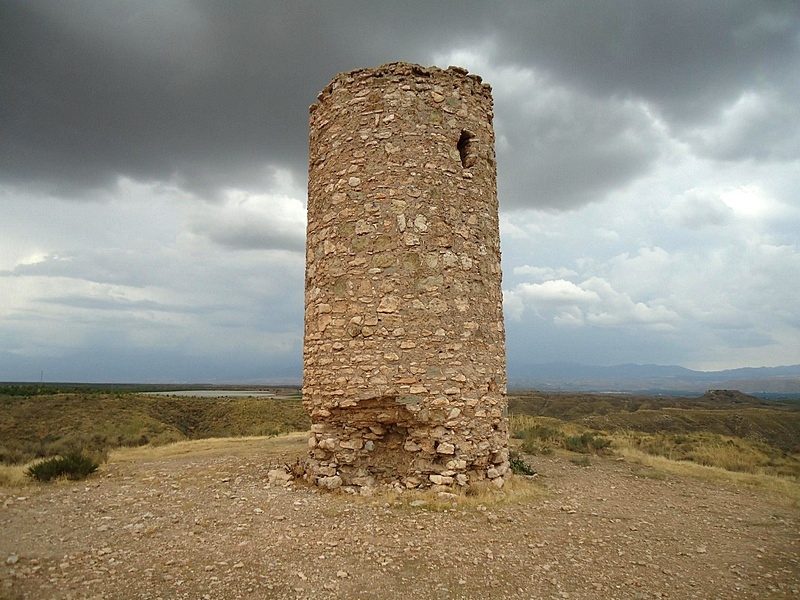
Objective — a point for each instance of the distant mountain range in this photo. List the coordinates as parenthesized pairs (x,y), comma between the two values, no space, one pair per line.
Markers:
(667,379)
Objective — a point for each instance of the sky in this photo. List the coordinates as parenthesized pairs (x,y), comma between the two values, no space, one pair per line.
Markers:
(153,171)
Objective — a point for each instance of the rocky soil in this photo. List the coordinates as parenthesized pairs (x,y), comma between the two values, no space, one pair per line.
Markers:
(212,526)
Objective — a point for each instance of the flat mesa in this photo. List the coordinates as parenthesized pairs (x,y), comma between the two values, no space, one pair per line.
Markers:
(404,353)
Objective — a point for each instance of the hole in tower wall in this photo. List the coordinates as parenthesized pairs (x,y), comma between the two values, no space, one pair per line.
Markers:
(467,148)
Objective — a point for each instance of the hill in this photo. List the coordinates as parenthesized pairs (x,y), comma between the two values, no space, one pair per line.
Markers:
(666,379)
(724,412)
(52,422)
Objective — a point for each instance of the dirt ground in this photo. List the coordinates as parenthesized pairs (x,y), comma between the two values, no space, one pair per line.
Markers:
(209,525)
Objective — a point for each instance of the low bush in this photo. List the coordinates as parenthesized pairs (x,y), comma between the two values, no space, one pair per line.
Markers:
(73,465)
(518,465)
(586,443)
(541,435)
(714,450)
(530,446)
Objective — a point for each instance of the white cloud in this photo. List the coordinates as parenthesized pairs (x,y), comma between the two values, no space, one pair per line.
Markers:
(750,201)
(543,273)
(754,125)
(556,292)
(697,208)
(607,234)
(592,302)
(569,317)
(705,268)
(248,221)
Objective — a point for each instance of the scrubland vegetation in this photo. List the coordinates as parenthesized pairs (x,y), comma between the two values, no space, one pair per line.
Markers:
(724,430)
(727,431)
(54,424)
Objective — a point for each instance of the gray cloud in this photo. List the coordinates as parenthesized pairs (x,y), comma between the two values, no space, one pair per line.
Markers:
(253,222)
(684,57)
(153,160)
(199,91)
(698,209)
(206,94)
(113,304)
(756,125)
(254,236)
(99,266)
(560,149)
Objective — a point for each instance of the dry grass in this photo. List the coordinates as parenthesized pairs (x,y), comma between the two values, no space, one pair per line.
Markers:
(520,422)
(292,444)
(683,433)
(714,450)
(14,476)
(517,490)
(543,435)
(33,427)
(713,457)
(781,489)
(774,422)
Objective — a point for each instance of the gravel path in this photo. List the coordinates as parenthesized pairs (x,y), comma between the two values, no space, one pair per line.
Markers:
(213,527)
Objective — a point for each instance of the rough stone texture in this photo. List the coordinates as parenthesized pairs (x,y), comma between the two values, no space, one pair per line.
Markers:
(404,355)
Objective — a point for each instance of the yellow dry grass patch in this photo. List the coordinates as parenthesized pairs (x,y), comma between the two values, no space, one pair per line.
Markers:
(14,476)
(781,489)
(521,422)
(289,446)
(292,443)
(517,490)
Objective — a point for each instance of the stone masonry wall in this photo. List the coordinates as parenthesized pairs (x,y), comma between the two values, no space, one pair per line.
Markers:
(404,354)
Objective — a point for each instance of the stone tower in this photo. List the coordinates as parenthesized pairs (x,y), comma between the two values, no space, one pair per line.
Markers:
(404,354)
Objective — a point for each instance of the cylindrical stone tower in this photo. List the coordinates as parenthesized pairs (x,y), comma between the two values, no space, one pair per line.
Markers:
(404,354)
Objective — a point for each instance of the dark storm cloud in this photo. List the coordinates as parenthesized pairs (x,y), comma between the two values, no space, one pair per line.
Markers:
(206,94)
(561,149)
(683,55)
(89,98)
(720,78)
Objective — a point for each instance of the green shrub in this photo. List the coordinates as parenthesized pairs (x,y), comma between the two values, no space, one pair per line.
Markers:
(586,443)
(74,465)
(533,447)
(518,465)
(539,432)
(538,439)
